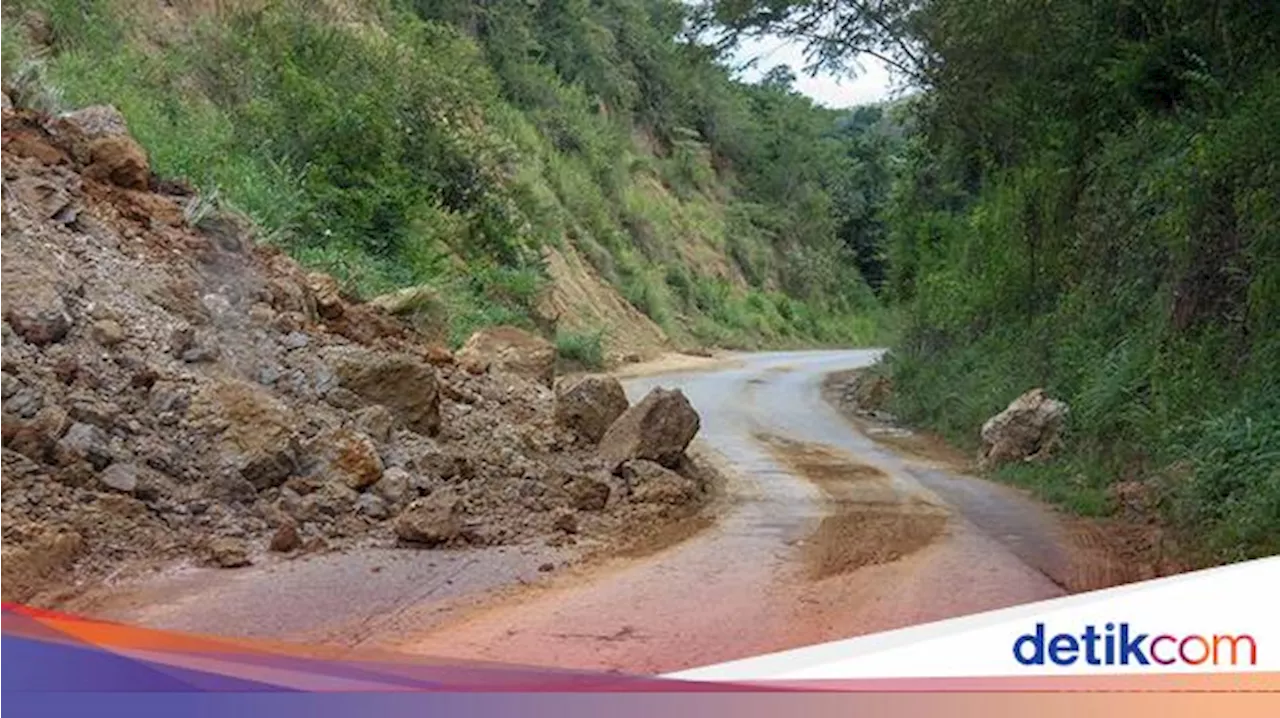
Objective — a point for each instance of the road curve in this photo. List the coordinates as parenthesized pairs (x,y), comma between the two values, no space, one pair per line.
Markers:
(750,584)
(824,534)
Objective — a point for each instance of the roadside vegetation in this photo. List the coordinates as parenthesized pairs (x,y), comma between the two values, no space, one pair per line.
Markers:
(1089,201)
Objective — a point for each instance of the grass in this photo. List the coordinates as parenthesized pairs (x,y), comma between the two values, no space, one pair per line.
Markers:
(583,349)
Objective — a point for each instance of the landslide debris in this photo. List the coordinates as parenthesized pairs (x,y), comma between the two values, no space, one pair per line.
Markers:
(174,391)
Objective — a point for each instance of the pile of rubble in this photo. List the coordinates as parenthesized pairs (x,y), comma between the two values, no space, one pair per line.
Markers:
(173,390)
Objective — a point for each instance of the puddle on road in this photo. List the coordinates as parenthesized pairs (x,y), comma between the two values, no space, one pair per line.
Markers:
(870,522)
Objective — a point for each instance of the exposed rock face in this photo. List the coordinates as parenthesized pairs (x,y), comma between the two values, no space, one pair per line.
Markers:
(1025,431)
(588,406)
(402,384)
(511,350)
(659,428)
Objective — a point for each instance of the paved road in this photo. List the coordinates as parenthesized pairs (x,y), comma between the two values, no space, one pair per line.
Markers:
(825,535)
(749,585)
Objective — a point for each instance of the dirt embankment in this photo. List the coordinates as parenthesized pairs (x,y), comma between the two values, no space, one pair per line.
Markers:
(174,391)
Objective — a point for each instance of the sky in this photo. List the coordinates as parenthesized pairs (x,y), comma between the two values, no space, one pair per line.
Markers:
(871,85)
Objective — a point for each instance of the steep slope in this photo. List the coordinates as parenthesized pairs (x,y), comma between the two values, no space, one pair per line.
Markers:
(173,390)
(451,145)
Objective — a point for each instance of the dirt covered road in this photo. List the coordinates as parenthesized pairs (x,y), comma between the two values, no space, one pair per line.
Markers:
(820,533)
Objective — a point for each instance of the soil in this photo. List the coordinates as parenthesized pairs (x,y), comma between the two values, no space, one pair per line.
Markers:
(868,521)
(177,394)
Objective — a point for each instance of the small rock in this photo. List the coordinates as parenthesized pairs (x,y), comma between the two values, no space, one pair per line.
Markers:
(565,520)
(652,483)
(350,457)
(295,340)
(372,506)
(1025,431)
(394,486)
(84,442)
(376,421)
(108,332)
(119,160)
(547,567)
(430,521)
(286,538)
(588,494)
(328,298)
(120,477)
(228,552)
(37,314)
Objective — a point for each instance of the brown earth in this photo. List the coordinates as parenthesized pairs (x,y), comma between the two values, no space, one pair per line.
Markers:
(175,393)
(869,523)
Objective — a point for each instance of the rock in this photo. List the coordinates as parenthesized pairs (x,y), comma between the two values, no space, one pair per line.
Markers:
(659,428)
(84,442)
(119,160)
(430,521)
(588,406)
(285,538)
(372,506)
(37,312)
(120,477)
(376,421)
(588,494)
(37,438)
(107,332)
(1026,430)
(95,122)
(546,567)
(350,457)
(437,355)
(511,350)
(26,569)
(228,552)
(410,300)
(254,431)
(295,340)
(405,386)
(326,295)
(394,486)
(565,520)
(652,483)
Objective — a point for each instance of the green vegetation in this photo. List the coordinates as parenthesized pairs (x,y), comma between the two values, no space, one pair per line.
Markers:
(1087,201)
(583,350)
(406,142)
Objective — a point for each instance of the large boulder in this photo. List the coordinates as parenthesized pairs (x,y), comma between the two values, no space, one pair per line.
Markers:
(405,386)
(1025,431)
(588,406)
(659,429)
(511,350)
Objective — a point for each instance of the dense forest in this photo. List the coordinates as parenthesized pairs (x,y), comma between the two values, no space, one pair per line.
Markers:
(1078,194)
(398,143)
(1089,201)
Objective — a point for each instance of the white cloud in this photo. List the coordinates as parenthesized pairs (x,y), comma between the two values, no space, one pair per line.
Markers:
(873,84)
